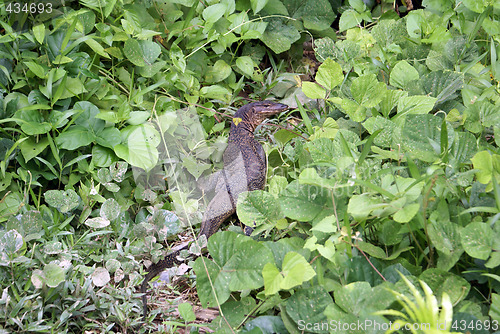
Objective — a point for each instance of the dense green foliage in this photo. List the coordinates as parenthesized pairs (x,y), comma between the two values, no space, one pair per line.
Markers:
(389,165)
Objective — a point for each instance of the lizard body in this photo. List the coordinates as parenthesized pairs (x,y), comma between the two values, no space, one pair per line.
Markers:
(245,169)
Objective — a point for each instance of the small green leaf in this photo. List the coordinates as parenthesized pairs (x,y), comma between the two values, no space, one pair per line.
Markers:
(313,90)
(246,65)
(54,275)
(64,201)
(477,240)
(39,32)
(186,312)
(329,74)
(407,213)
(213,13)
(296,270)
(403,74)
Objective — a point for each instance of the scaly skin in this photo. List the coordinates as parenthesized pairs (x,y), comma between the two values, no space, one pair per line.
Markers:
(245,169)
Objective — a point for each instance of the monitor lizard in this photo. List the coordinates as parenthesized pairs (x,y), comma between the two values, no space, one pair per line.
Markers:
(245,168)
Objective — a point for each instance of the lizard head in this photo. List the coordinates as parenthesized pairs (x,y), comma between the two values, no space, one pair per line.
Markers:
(256,112)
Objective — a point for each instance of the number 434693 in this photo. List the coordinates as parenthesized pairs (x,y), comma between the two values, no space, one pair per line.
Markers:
(31,8)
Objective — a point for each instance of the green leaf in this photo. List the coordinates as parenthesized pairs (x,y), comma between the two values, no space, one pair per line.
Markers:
(421,136)
(39,32)
(442,84)
(246,65)
(307,306)
(280,35)
(216,92)
(54,275)
(360,206)
(257,5)
(477,6)
(37,69)
(64,201)
(407,213)
(96,47)
(329,74)
(186,312)
(367,91)
(258,207)
(139,147)
(235,267)
(349,19)
(483,163)
(316,14)
(477,240)
(219,71)
(403,74)
(296,270)
(77,136)
(302,202)
(272,279)
(313,90)
(141,53)
(30,148)
(416,104)
(213,13)
(110,209)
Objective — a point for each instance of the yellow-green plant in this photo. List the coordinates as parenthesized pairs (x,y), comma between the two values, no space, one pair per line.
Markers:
(423,314)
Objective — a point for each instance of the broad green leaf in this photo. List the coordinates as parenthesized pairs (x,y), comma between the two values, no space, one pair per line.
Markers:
(97,222)
(483,163)
(139,147)
(54,275)
(441,282)
(302,202)
(31,148)
(360,206)
(257,5)
(402,74)
(216,92)
(442,84)
(349,19)
(236,266)
(141,53)
(272,279)
(421,136)
(213,13)
(77,136)
(64,201)
(478,6)
(296,270)
(110,209)
(416,104)
(279,35)
(313,90)
(257,208)
(219,71)
(316,14)
(246,65)
(37,69)
(477,240)
(367,91)
(186,312)
(326,225)
(96,47)
(10,243)
(329,74)
(39,32)
(307,306)
(407,213)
